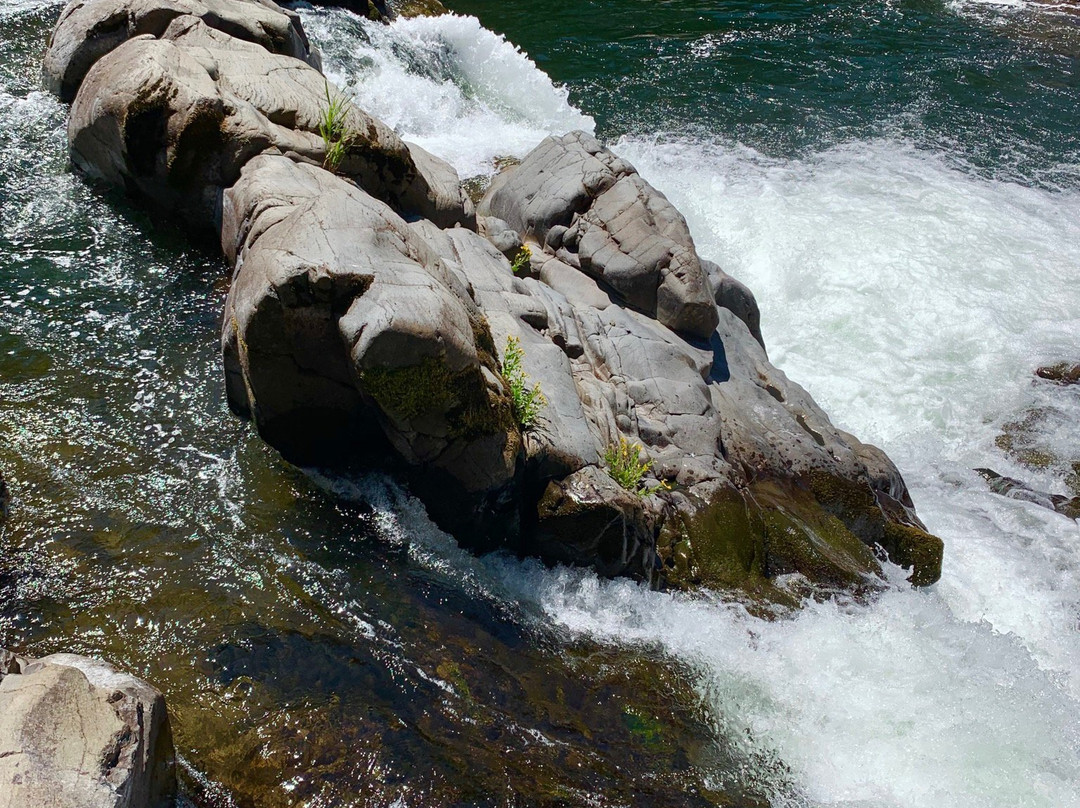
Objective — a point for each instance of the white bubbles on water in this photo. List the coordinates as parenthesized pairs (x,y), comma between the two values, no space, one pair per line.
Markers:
(916,297)
(895,703)
(447,84)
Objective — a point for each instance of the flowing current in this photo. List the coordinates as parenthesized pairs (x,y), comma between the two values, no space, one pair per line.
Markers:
(897,182)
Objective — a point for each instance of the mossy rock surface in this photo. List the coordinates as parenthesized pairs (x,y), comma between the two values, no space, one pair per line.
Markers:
(824,530)
(1061,373)
(430,388)
(417,8)
(1072,479)
(720,546)
(1021,439)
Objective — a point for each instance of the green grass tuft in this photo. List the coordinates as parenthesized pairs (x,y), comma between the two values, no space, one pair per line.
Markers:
(624,464)
(527,400)
(336,135)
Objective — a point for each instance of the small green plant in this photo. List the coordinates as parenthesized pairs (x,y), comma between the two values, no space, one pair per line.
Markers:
(527,400)
(626,467)
(521,260)
(336,135)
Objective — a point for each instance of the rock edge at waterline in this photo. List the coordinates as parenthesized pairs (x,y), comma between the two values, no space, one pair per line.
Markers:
(371,309)
(77,733)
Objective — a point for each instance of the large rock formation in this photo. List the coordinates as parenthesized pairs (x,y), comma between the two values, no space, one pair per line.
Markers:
(172,111)
(362,327)
(77,733)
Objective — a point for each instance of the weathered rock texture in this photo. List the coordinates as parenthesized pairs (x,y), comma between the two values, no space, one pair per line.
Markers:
(361,326)
(77,733)
(172,110)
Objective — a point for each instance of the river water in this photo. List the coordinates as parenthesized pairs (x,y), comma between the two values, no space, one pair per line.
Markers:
(898,182)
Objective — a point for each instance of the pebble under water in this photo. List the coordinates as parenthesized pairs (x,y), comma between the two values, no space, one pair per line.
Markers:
(896,181)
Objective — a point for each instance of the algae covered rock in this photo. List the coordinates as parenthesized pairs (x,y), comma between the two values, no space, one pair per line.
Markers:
(388,10)
(1062,372)
(77,733)
(1017,489)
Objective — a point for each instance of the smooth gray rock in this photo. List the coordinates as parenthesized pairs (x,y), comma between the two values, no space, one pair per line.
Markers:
(89,29)
(620,229)
(505,238)
(345,331)
(77,733)
(173,120)
(736,297)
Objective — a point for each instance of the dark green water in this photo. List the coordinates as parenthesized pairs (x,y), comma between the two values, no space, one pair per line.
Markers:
(995,86)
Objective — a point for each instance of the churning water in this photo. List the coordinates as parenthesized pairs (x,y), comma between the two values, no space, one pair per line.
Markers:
(897,182)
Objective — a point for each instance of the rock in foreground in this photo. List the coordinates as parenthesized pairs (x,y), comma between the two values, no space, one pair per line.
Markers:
(368,322)
(77,733)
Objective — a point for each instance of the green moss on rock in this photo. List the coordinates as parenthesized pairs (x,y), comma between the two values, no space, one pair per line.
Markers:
(430,388)
(802,536)
(718,546)
(407,392)
(1072,479)
(855,504)
(823,528)
(913,548)
(418,8)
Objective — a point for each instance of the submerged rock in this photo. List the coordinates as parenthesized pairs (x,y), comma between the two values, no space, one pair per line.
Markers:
(77,733)
(1062,373)
(1016,489)
(362,327)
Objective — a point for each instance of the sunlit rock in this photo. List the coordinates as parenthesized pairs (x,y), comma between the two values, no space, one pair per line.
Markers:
(77,733)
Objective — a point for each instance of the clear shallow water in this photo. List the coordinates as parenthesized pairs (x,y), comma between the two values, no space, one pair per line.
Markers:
(915,254)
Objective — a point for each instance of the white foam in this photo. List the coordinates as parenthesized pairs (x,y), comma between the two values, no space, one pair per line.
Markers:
(914,299)
(900,703)
(445,83)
